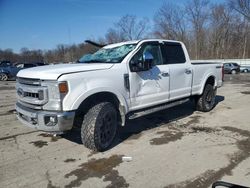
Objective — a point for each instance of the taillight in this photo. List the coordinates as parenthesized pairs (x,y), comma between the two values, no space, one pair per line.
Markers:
(222,72)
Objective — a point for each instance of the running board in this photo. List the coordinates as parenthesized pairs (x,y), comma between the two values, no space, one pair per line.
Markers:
(134,115)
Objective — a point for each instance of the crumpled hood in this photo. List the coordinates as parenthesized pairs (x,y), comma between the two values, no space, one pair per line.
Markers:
(52,72)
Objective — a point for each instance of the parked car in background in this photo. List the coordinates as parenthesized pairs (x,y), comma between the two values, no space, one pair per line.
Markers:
(245,69)
(9,70)
(231,68)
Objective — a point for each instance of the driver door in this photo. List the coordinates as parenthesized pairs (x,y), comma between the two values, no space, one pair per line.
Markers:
(149,87)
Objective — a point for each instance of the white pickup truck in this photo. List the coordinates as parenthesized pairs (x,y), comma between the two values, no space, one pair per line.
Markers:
(119,81)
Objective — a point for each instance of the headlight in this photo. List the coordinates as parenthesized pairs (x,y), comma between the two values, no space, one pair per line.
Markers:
(56,93)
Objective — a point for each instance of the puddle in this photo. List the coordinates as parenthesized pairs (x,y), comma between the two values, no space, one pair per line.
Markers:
(69,160)
(99,168)
(39,143)
(211,176)
(51,136)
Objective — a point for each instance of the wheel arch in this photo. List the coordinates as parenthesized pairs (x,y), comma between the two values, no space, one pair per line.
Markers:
(210,80)
(84,104)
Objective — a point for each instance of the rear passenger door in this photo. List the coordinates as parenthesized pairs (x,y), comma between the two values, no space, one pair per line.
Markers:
(179,70)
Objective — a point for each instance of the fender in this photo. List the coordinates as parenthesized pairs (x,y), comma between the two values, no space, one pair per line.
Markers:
(205,80)
(87,94)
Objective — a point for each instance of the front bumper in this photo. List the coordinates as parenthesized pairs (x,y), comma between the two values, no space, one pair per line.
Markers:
(39,119)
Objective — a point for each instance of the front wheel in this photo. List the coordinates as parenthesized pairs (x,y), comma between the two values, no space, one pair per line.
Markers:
(99,126)
(206,101)
(3,77)
(245,71)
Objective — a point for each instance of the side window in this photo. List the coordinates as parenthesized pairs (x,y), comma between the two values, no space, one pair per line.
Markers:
(154,49)
(173,53)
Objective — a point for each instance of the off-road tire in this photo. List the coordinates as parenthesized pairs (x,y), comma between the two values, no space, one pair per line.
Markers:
(3,77)
(99,126)
(206,101)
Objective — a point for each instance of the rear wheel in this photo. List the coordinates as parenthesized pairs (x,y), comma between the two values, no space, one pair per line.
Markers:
(245,70)
(99,126)
(206,101)
(3,76)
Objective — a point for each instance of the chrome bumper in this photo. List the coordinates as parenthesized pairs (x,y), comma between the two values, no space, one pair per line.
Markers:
(39,119)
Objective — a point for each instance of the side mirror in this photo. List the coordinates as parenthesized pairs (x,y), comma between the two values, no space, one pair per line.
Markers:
(147,60)
(143,64)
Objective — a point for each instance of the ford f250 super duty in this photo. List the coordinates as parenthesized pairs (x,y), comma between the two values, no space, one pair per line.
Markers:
(120,81)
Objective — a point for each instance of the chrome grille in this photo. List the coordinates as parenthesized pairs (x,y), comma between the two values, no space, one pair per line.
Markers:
(31,93)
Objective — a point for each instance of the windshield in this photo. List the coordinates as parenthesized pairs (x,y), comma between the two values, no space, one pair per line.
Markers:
(108,55)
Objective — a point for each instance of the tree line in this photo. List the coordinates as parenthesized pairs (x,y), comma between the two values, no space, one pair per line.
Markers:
(210,31)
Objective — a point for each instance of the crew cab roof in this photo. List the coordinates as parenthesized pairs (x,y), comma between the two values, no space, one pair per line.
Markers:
(137,41)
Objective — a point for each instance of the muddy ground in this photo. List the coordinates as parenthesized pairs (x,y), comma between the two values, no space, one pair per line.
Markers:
(178,147)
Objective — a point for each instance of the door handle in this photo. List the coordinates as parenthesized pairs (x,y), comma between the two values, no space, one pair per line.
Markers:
(188,71)
(165,74)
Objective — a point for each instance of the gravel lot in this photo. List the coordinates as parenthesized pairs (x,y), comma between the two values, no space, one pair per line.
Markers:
(178,147)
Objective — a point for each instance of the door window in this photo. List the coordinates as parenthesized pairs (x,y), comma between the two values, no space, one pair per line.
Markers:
(172,53)
(153,49)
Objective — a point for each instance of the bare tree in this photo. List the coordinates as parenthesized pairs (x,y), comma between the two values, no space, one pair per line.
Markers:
(198,14)
(241,6)
(114,35)
(220,29)
(128,28)
(170,23)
